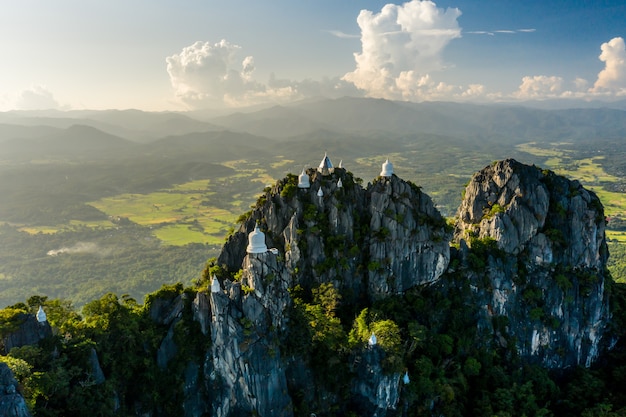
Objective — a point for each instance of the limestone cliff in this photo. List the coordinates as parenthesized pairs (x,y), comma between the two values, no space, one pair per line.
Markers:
(12,403)
(547,276)
(369,243)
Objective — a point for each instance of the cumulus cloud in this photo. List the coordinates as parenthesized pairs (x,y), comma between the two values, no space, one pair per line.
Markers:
(36,98)
(206,74)
(400,46)
(612,79)
(210,75)
(540,86)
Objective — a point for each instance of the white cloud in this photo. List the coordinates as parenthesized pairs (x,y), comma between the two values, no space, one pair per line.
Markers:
(505,31)
(540,86)
(342,35)
(208,75)
(612,79)
(400,46)
(36,98)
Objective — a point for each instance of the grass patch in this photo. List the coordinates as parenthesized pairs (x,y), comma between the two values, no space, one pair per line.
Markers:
(616,236)
(282,163)
(33,230)
(182,234)
(588,171)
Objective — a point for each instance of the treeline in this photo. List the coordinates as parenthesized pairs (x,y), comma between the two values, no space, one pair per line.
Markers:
(428,335)
(93,262)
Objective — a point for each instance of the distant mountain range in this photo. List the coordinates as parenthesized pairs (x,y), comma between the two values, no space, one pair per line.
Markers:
(361,116)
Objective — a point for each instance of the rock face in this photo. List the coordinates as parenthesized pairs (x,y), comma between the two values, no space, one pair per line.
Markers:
(369,243)
(246,369)
(12,403)
(375,242)
(29,332)
(547,276)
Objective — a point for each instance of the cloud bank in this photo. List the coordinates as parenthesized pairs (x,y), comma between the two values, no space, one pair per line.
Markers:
(213,75)
(36,98)
(401,54)
(611,81)
(400,46)
(205,74)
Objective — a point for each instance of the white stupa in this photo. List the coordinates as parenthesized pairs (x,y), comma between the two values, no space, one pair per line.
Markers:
(326,167)
(320,193)
(372,340)
(406,378)
(303,180)
(41,315)
(215,285)
(387,170)
(339,183)
(256,241)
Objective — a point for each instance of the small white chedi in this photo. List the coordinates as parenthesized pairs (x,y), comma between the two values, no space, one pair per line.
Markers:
(41,315)
(303,180)
(387,170)
(326,167)
(256,241)
(215,285)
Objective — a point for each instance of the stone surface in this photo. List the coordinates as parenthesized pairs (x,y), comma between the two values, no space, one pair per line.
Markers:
(12,403)
(548,281)
(29,332)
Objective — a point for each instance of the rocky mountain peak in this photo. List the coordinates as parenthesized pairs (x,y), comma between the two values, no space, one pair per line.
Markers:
(548,264)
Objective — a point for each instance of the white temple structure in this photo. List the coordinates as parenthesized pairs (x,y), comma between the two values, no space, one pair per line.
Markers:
(387,170)
(303,180)
(215,285)
(372,340)
(320,193)
(256,241)
(41,315)
(326,167)
(339,183)
(406,378)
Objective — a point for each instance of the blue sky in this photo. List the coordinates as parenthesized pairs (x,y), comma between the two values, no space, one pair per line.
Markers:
(162,54)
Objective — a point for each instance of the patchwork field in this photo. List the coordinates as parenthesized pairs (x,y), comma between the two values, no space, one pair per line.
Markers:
(588,171)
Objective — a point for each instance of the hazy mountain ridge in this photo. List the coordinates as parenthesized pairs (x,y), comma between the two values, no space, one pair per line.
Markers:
(355,115)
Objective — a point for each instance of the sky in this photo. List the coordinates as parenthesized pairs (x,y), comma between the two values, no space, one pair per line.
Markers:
(160,55)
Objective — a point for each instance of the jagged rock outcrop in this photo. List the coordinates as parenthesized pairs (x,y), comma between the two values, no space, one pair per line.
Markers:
(374,242)
(377,395)
(369,243)
(246,368)
(546,271)
(12,403)
(28,332)
(408,238)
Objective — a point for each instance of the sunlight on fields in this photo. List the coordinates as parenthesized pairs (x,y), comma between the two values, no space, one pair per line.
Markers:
(588,171)
(282,163)
(616,236)
(182,234)
(33,230)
